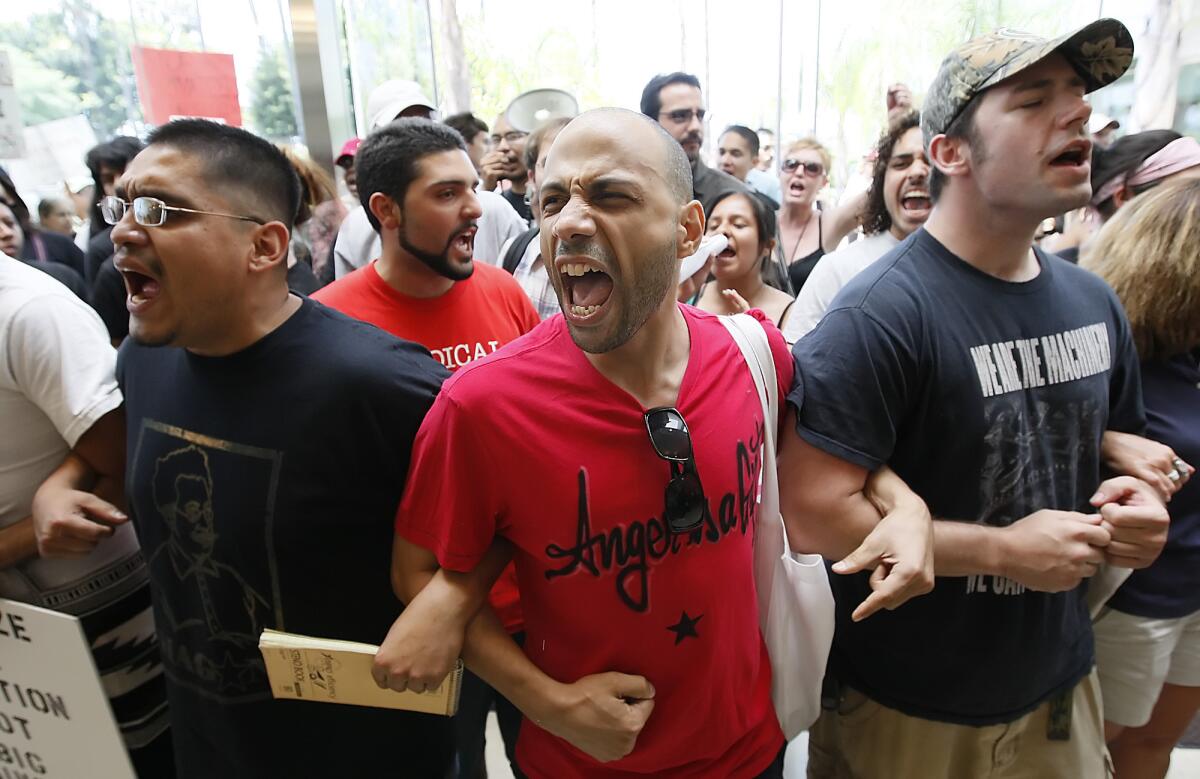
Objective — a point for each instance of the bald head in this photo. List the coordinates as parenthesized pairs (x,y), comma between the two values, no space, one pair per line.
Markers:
(640,133)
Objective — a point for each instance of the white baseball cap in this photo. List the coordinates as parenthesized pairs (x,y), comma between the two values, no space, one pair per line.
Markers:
(391,98)
(1100,122)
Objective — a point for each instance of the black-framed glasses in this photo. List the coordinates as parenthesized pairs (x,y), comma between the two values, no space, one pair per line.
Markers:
(811,169)
(684,496)
(683,115)
(152,212)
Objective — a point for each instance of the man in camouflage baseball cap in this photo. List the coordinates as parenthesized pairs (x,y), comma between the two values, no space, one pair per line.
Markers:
(985,372)
(1099,52)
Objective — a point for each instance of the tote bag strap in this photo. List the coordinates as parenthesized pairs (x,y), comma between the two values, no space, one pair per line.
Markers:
(751,338)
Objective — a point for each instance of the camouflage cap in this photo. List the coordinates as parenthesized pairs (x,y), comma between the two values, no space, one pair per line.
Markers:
(1100,52)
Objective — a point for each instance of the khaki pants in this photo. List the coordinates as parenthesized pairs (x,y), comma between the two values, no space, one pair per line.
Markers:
(865,740)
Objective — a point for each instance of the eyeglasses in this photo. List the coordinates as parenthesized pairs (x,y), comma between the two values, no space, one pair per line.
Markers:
(152,212)
(684,497)
(811,169)
(512,136)
(683,115)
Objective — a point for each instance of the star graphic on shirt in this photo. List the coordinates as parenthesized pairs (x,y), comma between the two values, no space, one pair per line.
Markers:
(685,627)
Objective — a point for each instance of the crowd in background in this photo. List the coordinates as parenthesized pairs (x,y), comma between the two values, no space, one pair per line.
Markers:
(428,377)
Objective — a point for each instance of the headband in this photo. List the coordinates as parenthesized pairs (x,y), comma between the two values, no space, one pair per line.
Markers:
(1179,154)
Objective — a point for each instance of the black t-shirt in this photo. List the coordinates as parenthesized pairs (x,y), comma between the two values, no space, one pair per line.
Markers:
(517,201)
(99,248)
(108,298)
(989,398)
(1167,589)
(264,487)
(1071,255)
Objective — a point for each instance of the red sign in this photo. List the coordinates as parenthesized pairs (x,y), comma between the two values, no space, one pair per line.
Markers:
(173,84)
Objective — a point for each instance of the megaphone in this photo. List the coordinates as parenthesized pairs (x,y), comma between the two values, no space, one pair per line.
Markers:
(532,108)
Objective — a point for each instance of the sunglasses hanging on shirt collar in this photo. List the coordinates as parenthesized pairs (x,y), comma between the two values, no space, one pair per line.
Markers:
(684,496)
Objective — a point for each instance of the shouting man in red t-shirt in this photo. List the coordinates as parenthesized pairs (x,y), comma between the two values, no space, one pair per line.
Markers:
(418,186)
(643,655)
(418,183)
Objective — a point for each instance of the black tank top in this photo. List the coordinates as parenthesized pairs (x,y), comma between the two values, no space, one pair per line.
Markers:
(799,270)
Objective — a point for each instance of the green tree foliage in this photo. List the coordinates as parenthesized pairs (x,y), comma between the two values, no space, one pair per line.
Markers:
(45,94)
(272,111)
(87,54)
(499,72)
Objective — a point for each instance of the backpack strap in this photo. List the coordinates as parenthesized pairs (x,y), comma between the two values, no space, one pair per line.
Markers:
(516,250)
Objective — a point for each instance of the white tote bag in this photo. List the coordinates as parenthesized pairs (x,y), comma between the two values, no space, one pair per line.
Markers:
(795,604)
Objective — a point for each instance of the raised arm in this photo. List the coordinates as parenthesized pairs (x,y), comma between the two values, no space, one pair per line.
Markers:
(844,219)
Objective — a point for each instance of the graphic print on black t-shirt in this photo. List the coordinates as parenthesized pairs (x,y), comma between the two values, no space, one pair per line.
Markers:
(229,595)
(630,549)
(1031,448)
(990,399)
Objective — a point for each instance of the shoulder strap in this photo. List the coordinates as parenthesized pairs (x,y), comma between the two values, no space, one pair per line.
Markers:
(751,338)
(516,250)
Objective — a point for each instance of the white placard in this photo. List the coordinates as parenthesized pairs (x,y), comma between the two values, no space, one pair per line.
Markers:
(55,722)
(12,137)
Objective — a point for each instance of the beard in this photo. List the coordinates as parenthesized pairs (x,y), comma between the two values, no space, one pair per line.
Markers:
(638,299)
(440,263)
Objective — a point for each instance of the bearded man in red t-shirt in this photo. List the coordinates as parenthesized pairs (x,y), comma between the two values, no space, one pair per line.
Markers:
(643,655)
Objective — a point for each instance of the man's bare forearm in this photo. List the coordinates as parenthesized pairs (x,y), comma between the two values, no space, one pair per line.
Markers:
(967,549)
(488,650)
(492,654)
(18,543)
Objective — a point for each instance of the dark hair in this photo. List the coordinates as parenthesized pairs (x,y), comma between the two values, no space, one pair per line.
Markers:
(387,160)
(651,104)
(468,125)
(116,154)
(233,158)
(747,135)
(15,203)
(766,130)
(876,218)
(1122,158)
(533,144)
(963,127)
(46,205)
(764,215)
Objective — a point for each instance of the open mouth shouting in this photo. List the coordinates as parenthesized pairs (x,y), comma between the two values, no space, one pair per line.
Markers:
(1075,157)
(587,288)
(796,187)
(463,242)
(915,202)
(141,286)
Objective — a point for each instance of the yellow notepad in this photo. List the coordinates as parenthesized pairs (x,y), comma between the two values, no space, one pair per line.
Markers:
(333,671)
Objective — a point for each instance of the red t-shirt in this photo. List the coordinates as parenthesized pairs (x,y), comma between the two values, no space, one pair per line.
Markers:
(535,445)
(476,317)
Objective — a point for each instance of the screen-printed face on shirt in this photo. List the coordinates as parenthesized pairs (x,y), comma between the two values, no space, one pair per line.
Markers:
(612,224)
